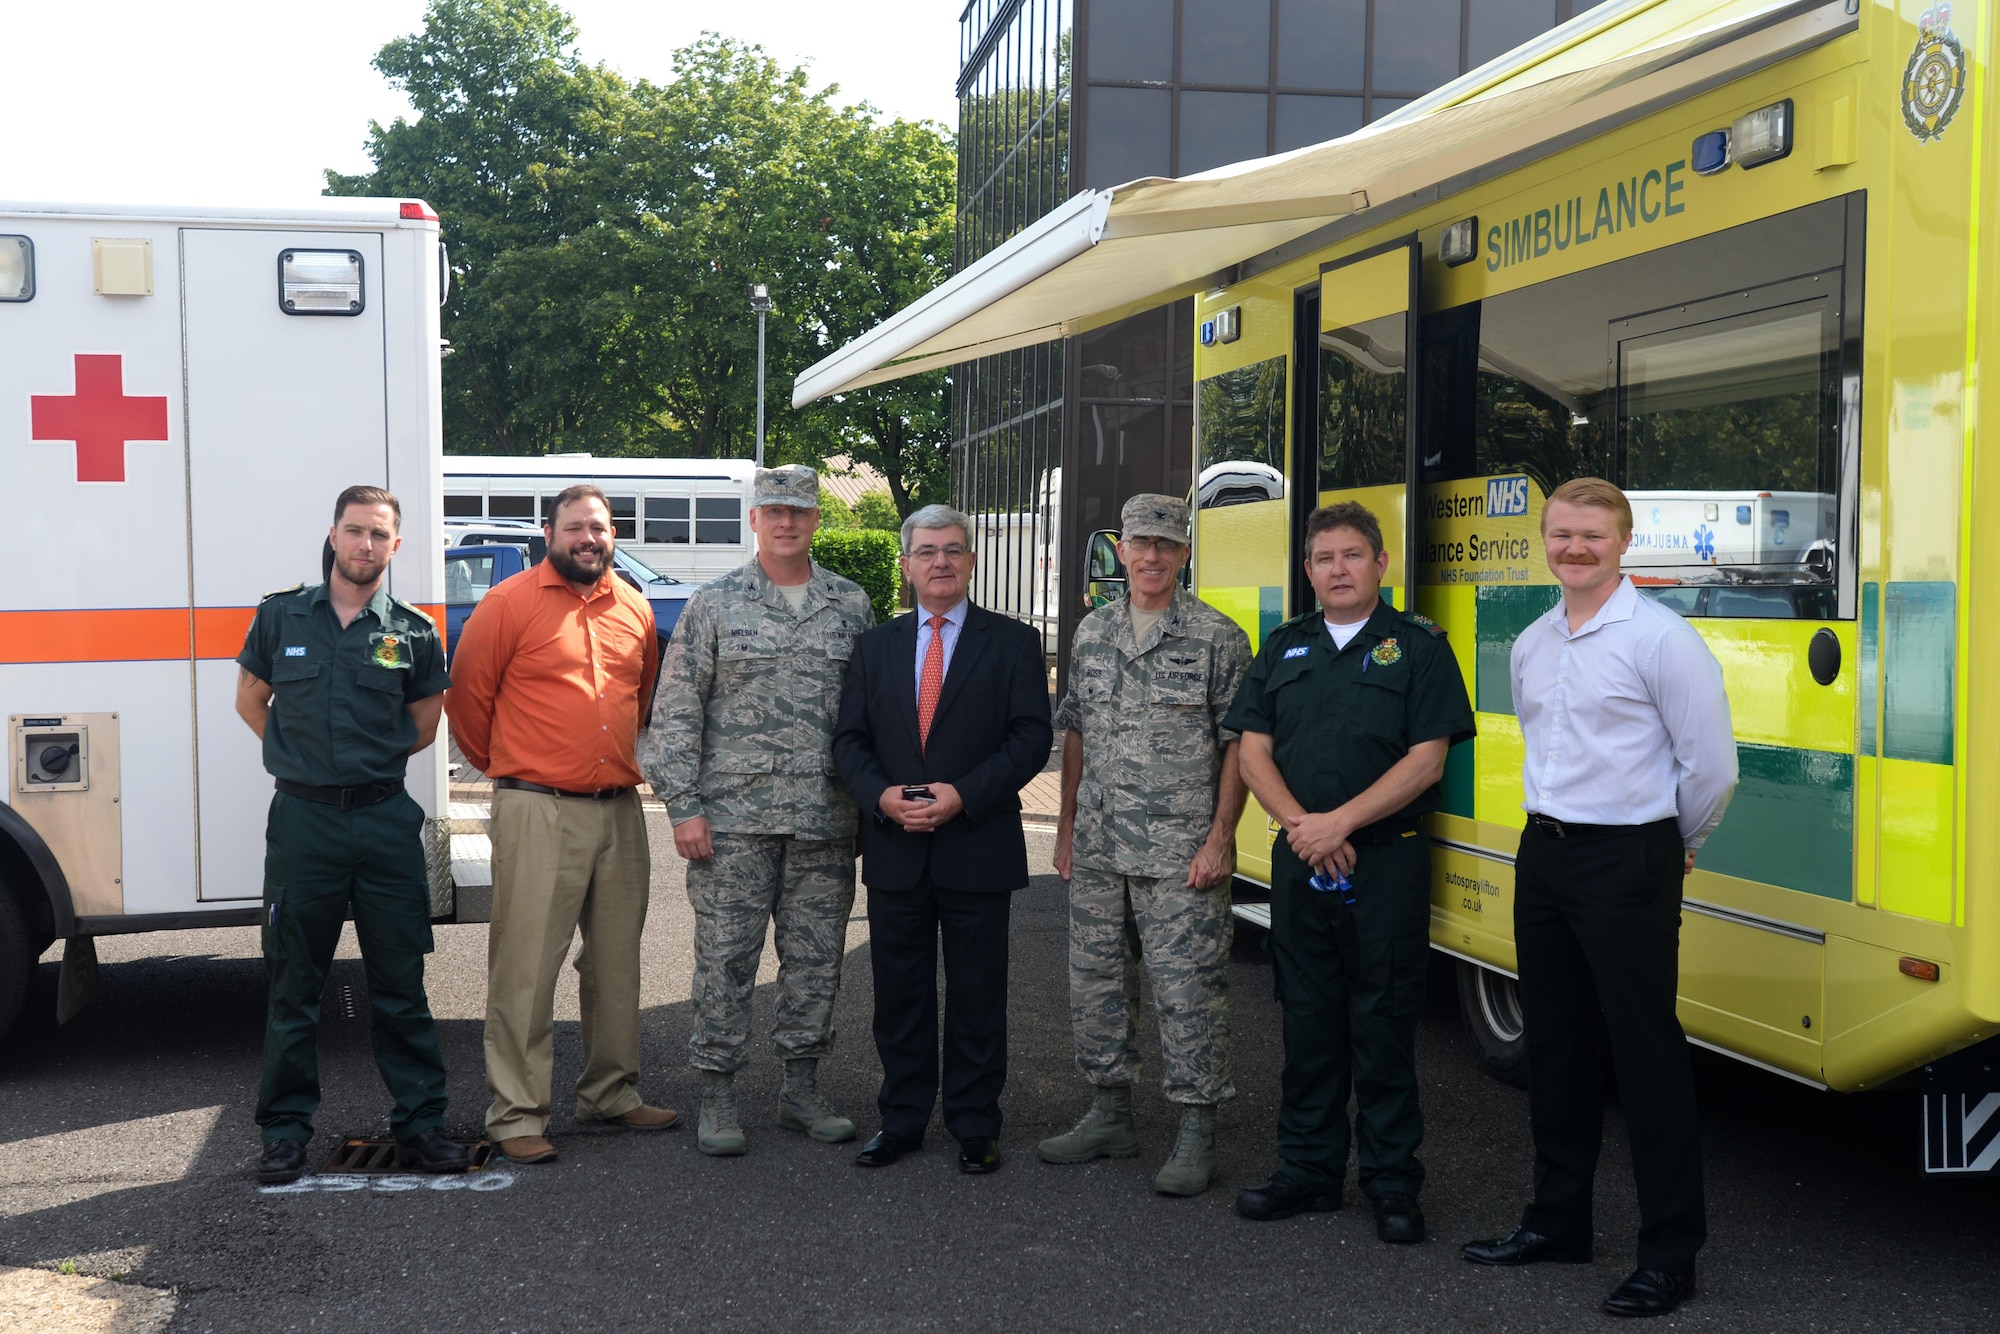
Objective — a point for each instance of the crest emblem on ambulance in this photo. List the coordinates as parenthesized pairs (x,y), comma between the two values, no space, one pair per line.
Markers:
(1934,80)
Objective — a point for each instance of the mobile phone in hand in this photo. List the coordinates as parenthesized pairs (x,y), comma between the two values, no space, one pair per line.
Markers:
(918,792)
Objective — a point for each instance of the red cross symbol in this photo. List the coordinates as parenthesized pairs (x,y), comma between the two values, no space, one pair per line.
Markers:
(99,417)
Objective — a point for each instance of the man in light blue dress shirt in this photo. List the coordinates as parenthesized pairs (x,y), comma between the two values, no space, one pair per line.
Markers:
(1630,761)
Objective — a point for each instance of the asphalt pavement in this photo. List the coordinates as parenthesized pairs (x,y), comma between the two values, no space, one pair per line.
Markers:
(127,1143)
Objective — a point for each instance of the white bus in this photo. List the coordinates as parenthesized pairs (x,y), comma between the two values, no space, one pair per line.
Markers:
(683,517)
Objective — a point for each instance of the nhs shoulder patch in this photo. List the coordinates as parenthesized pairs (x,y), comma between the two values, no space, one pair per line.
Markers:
(298,651)
(1298,652)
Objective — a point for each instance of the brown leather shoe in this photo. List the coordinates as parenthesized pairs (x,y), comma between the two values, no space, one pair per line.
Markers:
(643,1117)
(527,1149)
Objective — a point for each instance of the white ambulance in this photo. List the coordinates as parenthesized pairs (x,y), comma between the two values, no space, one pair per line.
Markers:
(183,392)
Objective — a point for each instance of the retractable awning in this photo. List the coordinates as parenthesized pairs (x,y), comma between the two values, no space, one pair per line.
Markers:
(1108,254)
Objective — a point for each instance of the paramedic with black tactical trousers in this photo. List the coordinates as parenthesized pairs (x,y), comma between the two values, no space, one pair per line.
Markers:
(344,683)
(1630,761)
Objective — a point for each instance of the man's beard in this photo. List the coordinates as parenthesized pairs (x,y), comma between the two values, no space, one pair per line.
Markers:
(570,568)
(355,576)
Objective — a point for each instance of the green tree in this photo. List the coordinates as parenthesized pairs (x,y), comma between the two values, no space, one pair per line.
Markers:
(877,509)
(510,128)
(834,512)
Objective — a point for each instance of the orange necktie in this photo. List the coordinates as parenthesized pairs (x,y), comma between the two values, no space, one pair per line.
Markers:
(931,685)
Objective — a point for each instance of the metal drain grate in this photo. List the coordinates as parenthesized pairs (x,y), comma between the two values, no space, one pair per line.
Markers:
(377,1157)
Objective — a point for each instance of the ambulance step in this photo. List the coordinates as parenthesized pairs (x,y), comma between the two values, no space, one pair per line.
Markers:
(471,859)
(470,817)
(1257,914)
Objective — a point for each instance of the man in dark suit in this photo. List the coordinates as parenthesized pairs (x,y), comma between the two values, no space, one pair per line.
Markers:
(944,719)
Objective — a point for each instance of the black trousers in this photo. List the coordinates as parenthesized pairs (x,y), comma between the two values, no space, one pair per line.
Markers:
(320,862)
(1351,984)
(1597,928)
(904,930)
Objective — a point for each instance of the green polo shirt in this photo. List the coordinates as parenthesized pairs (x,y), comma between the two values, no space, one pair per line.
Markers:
(340,696)
(1339,719)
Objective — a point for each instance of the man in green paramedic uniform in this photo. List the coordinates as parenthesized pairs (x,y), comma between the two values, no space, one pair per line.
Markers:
(344,683)
(1346,717)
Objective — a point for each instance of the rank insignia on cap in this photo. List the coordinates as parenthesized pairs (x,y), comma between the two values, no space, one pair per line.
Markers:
(387,650)
(1386,652)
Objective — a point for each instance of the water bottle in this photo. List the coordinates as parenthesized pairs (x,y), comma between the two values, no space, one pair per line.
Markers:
(1339,884)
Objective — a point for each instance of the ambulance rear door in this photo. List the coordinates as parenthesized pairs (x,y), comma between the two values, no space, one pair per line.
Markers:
(286,406)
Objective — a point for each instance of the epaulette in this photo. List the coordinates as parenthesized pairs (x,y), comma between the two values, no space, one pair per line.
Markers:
(410,607)
(1301,619)
(280,592)
(1418,618)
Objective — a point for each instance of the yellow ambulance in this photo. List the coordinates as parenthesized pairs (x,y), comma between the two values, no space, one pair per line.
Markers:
(1734,256)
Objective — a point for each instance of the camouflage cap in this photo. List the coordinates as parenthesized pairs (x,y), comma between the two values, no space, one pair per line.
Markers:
(794,484)
(1148,515)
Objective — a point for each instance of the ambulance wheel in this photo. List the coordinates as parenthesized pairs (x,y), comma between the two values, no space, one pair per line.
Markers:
(17,958)
(1491,1005)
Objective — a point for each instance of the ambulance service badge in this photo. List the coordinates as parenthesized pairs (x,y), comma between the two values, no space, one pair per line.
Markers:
(1934,80)
(387,650)
(1386,652)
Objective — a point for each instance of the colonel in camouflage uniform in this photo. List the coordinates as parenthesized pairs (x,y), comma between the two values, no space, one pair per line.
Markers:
(740,750)
(1151,796)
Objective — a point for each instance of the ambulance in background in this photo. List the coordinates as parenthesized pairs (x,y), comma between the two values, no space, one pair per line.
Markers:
(189,389)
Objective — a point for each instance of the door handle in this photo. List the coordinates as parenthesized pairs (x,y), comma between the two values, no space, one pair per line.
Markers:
(1823,656)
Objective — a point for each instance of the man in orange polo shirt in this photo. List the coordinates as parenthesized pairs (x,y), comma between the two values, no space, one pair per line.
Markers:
(548,686)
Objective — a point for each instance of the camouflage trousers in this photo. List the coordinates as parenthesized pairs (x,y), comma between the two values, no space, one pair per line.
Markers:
(804,890)
(1184,935)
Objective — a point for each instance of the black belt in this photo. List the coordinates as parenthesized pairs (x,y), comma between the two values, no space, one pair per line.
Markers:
(1375,835)
(1555,828)
(523,785)
(347,798)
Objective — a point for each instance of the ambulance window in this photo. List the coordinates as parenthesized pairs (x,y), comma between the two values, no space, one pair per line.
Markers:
(718,519)
(510,507)
(1361,404)
(464,507)
(624,517)
(17,268)
(666,520)
(1717,381)
(1239,426)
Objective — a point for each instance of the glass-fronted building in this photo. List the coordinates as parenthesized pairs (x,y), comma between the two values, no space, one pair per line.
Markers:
(1057,96)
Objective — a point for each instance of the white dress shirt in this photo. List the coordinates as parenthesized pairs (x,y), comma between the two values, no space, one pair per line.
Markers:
(954,621)
(1626,721)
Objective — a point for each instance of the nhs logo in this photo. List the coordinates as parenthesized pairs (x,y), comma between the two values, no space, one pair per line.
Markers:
(1506,497)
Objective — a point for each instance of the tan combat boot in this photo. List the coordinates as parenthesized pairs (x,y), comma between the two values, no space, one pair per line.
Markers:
(1106,1131)
(800,1107)
(720,1131)
(1192,1165)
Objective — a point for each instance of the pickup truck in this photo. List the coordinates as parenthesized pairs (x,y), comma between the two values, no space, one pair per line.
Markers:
(471,570)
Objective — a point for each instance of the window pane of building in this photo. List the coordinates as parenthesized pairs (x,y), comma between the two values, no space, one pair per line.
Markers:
(1128,135)
(1321,43)
(1220,127)
(1382,106)
(1502,25)
(1306,120)
(1416,45)
(1225,41)
(1132,39)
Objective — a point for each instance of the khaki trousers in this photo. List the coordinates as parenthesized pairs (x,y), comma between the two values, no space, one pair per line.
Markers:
(560,863)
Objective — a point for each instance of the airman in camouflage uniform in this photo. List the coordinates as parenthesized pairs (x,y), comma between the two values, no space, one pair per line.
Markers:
(1151,796)
(740,750)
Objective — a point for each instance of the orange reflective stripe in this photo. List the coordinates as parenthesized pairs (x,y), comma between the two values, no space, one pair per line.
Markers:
(134,634)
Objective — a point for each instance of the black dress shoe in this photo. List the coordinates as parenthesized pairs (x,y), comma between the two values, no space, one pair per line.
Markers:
(1649,1292)
(885,1148)
(1398,1219)
(978,1155)
(1281,1197)
(430,1151)
(1522,1247)
(282,1160)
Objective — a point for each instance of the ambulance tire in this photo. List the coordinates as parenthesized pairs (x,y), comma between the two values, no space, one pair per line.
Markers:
(1491,1006)
(18,955)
